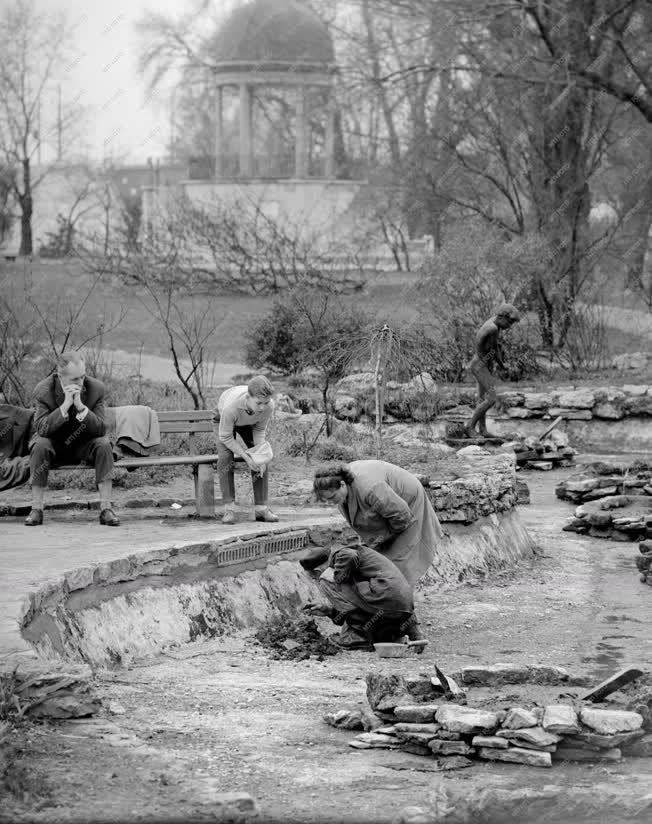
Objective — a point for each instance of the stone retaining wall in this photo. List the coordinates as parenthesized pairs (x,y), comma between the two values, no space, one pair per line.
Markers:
(140,604)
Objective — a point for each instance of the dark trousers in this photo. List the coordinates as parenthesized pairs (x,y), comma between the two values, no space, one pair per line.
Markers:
(376,627)
(226,466)
(46,453)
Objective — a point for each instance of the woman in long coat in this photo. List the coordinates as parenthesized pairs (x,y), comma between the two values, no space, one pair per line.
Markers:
(388,508)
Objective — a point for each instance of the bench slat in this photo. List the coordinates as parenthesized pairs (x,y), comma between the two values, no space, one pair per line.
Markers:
(168,427)
(188,415)
(159,460)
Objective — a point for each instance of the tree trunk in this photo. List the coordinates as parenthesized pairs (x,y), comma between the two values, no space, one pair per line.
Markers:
(26,210)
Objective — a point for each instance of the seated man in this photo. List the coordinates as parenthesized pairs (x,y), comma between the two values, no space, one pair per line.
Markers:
(244,411)
(69,425)
(366,592)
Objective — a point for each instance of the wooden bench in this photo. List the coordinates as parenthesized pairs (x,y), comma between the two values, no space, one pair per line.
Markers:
(190,422)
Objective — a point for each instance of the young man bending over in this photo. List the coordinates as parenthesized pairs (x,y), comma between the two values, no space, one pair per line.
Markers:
(244,411)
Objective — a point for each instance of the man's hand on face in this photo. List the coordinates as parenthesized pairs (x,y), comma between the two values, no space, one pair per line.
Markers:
(76,398)
(69,393)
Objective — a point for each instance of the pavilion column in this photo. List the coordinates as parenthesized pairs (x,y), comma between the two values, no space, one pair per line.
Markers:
(301,155)
(245,131)
(329,144)
(219,132)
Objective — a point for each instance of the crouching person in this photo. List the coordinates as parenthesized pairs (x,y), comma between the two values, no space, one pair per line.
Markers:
(366,594)
(244,411)
(69,427)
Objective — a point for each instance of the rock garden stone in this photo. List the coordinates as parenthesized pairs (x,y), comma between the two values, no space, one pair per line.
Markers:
(356,718)
(608,722)
(535,737)
(608,411)
(385,690)
(570,414)
(491,741)
(416,713)
(538,400)
(565,753)
(517,755)
(440,747)
(373,740)
(426,729)
(560,719)
(576,399)
(499,674)
(423,738)
(457,718)
(641,748)
(518,718)
(635,390)
(414,748)
(597,741)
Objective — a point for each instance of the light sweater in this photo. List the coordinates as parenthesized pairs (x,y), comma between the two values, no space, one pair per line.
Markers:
(233,412)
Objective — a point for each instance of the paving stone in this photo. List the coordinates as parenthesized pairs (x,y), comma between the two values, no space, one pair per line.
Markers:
(450,747)
(457,718)
(518,718)
(560,718)
(416,713)
(517,755)
(607,722)
(491,741)
(577,754)
(533,736)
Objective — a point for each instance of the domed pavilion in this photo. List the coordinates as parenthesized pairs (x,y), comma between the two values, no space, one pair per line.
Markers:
(274,52)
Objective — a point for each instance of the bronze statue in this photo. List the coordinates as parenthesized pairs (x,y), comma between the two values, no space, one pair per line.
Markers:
(484,363)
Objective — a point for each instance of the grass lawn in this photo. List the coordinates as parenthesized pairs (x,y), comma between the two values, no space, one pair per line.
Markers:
(59,286)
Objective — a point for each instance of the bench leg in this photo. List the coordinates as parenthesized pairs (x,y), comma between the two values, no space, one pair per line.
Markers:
(204,490)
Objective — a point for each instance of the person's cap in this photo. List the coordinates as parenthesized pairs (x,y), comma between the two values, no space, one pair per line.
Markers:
(508,312)
(315,558)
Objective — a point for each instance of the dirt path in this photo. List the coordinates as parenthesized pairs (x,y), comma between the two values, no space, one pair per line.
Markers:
(227,718)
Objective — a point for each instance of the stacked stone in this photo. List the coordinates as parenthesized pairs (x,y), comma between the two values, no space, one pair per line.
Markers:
(485,484)
(608,403)
(644,561)
(553,451)
(601,479)
(618,517)
(536,736)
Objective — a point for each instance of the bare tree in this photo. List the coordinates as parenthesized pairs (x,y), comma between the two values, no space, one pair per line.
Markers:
(32,45)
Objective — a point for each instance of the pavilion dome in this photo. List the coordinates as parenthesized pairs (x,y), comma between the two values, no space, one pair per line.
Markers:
(273,33)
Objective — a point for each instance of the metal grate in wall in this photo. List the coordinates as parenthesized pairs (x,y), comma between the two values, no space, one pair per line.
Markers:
(261,547)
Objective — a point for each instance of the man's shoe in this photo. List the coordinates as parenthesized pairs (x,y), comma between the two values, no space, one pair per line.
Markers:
(266,515)
(35,518)
(109,518)
(228,517)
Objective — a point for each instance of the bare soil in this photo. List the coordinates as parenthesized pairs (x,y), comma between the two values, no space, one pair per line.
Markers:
(225,716)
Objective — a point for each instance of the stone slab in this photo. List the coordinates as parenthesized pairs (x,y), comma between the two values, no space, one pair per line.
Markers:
(517,755)
(606,722)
